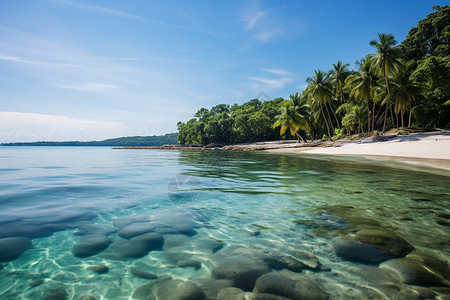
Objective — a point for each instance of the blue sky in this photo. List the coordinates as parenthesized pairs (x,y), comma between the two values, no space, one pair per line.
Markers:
(89,70)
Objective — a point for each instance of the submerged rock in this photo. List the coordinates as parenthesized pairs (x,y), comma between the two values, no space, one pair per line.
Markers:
(91,245)
(169,289)
(163,221)
(233,293)
(190,263)
(371,246)
(299,288)
(12,247)
(419,269)
(308,259)
(242,270)
(55,292)
(211,287)
(143,274)
(99,269)
(135,247)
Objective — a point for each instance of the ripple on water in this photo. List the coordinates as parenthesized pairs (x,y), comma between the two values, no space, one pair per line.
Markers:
(105,225)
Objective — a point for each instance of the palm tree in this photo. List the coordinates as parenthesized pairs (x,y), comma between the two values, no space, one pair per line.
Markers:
(404,92)
(338,75)
(319,94)
(361,85)
(385,61)
(293,117)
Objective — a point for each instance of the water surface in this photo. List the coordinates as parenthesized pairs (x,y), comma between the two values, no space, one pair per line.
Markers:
(183,213)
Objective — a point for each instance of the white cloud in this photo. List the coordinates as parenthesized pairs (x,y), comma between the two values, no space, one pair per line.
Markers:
(252,18)
(270,84)
(22,127)
(89,87)
(268,35)
(277,71)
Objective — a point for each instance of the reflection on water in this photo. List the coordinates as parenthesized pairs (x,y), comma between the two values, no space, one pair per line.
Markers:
(119,224)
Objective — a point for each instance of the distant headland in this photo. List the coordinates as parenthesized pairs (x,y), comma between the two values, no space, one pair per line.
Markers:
(131,141)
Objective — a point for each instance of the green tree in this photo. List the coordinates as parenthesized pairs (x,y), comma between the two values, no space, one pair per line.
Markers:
(319,95)
(361,85)
(386,62)
(405,91)
(293,117)
(338,75)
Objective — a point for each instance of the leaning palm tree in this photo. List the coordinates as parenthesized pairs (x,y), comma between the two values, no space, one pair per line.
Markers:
(319,95)
(385,61)
(293,117)
(338,75)
(361,85)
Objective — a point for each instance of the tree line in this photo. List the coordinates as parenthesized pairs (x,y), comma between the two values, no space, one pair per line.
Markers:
(167,139)
(396,86)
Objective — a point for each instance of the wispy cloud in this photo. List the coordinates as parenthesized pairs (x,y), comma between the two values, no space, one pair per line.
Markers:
(277,71)
(119,13)
(270,84)
(253,17)
(20,126)
(89,87)
(268,35)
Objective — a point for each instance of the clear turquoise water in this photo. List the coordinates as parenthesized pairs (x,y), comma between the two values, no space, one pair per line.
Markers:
(240,198)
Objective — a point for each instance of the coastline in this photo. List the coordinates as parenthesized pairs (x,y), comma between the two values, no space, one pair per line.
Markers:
(419,149)
(430,149)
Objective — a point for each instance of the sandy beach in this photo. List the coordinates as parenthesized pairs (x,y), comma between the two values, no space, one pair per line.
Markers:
(423,149)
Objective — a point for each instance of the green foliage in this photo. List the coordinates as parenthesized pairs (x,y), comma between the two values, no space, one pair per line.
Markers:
(249,122)
(294,117)
(431,36)
(428,50)
(338,134)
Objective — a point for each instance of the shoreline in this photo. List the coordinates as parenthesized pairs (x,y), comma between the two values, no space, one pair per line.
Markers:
(430,149)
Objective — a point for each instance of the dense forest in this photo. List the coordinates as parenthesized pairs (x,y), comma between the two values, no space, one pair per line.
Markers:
(396,86)
(167,139)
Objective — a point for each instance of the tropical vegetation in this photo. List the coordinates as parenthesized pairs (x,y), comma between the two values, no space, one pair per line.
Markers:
(396,86)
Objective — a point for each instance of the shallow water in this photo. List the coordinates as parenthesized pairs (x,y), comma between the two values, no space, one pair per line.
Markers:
(279,203)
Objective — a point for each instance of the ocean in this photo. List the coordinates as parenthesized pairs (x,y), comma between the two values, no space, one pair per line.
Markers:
(102,223)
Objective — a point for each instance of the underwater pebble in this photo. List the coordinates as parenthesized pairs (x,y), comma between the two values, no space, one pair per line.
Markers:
(190,263)
(37,282)
(143,274)
(99,269)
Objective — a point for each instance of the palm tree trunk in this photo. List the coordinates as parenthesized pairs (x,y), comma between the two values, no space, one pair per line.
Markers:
(326,123)
(402,118)
(299,137)
(334,114)
(387,101)
(368,118)
(329,116)
(373,116)
(343,96)
(396,119)
(409,121)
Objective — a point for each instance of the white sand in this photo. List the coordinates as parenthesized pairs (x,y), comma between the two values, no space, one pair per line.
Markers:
(429,149)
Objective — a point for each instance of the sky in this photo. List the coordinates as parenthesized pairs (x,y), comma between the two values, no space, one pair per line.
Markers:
(91,70)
